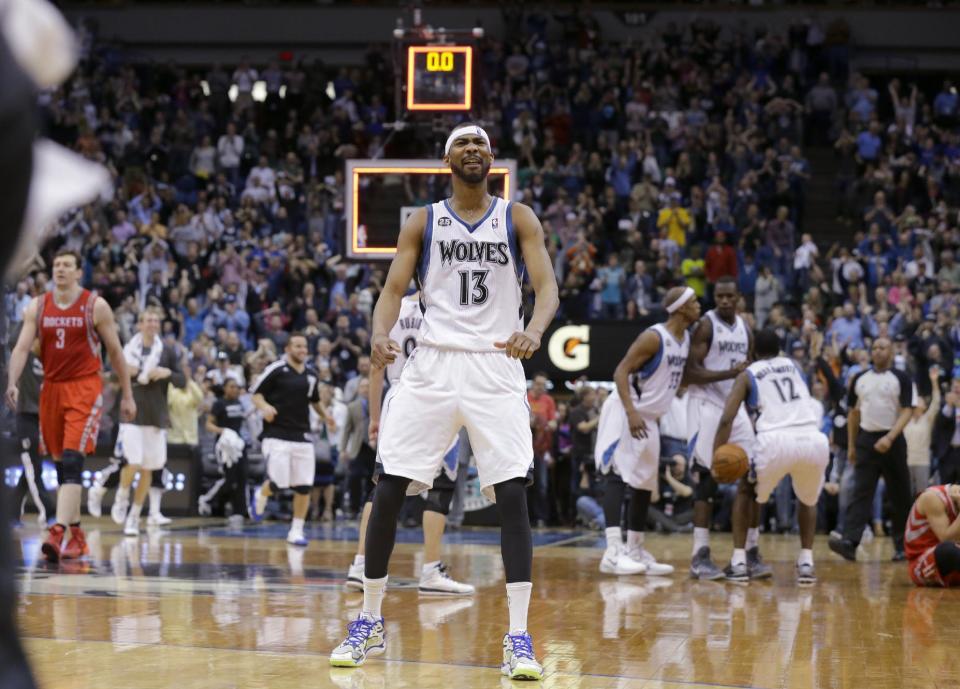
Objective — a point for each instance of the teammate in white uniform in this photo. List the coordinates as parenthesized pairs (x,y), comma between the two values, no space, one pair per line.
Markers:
(789,441)
(434,579)
(468,253)
(628,437)
(720,348)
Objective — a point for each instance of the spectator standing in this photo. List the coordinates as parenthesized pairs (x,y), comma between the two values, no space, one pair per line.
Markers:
(919,434)
(612,278)
(543,420)
(229,153)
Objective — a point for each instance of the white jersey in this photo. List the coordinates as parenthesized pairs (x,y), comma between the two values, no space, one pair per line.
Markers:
(655,384)
(729,346)
(405,332)
(780,394)
(469,278)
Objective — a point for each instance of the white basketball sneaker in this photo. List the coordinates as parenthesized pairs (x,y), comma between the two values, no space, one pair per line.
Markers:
(365,637)
(121,503)
(95,500)
(654,568)
(132,525)
(436,582)
(616,561)
(158,519)
(519,661)
(355,576)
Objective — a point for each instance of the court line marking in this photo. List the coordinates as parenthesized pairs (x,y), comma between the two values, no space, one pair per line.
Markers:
(396,661)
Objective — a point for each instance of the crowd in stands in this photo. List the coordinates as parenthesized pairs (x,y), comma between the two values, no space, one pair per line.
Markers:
(672,161)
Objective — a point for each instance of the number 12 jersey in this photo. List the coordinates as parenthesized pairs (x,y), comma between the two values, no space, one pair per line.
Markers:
(779,393)
(470,279)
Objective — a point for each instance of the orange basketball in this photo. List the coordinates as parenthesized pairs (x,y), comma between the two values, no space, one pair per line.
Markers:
(730,463)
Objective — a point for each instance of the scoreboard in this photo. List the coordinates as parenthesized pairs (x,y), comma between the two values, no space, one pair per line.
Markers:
(439,78)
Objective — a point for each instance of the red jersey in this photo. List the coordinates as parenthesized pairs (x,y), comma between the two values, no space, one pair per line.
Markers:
(919,536)
(69,344)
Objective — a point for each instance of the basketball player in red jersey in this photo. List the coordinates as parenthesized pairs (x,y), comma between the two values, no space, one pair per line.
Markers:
(70,322)
(932,541)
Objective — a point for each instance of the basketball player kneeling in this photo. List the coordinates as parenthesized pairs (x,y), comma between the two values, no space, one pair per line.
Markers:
(789,441)
(932,542)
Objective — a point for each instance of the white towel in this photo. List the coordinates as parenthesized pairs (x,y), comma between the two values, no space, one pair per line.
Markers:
(133,353)
(229,448)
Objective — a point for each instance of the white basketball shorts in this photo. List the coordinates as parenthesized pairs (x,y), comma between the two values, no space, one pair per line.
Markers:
(289,463)
(635,460)
(801,451)
(143,446)
(703,419)
(442,390)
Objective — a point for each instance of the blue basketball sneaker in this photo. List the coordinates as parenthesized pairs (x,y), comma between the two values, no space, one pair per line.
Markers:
(365,636)
(258,506)
(518,659)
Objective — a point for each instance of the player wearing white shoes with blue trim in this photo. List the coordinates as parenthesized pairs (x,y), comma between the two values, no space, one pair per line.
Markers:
(628,438)
(469,254)
(434,578)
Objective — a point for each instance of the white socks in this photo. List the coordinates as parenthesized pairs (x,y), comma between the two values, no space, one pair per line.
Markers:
(518,601)
(135,511)
(806,557)
(701,538)
(739,557)
(753,538)
(373,597)
(296,526)
(156,495)
(614,538)
(359,560)
(634,540)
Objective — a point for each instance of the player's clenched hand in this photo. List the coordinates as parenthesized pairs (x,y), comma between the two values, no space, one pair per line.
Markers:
(383,351)
(12,395)
(638,427)
(269,413)
(520,345)
(128,409)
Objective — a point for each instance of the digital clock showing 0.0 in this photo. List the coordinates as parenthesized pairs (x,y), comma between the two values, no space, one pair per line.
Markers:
(439,77)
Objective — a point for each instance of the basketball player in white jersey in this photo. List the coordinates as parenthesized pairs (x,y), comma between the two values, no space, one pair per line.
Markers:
(628,438)
(720,349)
(468,253)
(789,441)
(434,579)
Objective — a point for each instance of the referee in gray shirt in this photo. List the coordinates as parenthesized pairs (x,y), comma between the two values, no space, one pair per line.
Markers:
(881,400)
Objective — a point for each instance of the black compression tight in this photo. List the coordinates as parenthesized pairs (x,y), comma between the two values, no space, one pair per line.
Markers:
(382,527)
(613,490)
(639,506)
(947,556)
(516,541)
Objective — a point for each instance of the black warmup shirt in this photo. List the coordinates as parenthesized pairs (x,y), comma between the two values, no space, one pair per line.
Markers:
(228,414)
(290,393)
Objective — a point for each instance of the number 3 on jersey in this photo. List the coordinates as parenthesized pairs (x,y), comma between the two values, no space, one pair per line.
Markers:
(479,293)
(61,338)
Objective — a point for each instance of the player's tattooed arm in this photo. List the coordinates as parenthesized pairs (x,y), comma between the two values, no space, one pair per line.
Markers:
(641,351)
(534,252)
(106,328)
(383,350)
(737,396)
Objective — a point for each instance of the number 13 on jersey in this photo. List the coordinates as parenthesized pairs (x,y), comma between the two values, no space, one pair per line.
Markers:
(479,292)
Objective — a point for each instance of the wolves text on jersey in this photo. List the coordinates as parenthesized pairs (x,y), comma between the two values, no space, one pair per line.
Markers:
(473,252)
(727,347)
(677,360)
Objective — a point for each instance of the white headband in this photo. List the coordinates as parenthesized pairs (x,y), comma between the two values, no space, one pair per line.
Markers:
(460,131)
(687,295)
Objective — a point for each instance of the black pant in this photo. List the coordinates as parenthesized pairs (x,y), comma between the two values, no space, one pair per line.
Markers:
(361,476)
(950,466)
(28,438)
(870,466)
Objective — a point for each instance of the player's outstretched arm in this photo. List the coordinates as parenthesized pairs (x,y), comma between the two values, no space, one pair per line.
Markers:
(107,330)
(535,256)
(737,396)
(642,350)
(383,350)
(20,353)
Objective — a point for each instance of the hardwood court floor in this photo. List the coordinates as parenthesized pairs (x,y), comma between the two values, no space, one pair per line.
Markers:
(199,606)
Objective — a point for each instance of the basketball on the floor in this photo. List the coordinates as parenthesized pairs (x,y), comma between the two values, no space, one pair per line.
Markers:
(730,463)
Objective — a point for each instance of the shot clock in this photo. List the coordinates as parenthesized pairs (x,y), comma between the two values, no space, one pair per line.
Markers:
(440,78)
